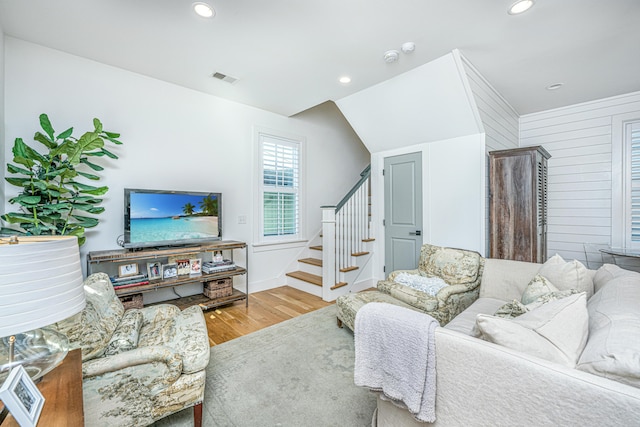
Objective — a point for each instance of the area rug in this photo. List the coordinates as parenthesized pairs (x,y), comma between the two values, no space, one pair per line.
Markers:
(296,373)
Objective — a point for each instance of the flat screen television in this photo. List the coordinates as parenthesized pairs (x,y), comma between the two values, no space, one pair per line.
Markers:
(156,218)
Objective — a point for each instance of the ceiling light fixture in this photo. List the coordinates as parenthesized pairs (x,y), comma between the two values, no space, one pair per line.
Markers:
(555,86)
(391,56)
(345,80)
(520,6)
(203,9)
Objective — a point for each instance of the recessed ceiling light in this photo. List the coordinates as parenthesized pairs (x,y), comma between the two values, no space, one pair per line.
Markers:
(520,6)
(555,86)
(344,79)
(203,10)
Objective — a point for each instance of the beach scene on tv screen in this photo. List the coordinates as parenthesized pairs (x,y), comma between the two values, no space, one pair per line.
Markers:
(158,217)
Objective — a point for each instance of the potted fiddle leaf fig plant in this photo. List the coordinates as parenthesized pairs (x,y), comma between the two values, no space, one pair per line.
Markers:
(53,198)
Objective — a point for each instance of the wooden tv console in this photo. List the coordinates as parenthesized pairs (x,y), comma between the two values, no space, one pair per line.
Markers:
(109,260)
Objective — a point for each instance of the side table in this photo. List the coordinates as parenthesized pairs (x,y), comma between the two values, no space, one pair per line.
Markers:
(62,391)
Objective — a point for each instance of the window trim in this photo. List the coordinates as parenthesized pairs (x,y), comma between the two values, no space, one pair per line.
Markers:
(259,238)
(621,181)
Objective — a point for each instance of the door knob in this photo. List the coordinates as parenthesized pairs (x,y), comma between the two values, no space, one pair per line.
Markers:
(415,233)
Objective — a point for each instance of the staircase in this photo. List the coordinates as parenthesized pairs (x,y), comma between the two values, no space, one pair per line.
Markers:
(333,261)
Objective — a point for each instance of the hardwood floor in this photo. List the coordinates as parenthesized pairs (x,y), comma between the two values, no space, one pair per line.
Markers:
(266,308)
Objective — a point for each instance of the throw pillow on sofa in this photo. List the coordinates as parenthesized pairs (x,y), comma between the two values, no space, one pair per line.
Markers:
(539,291)
(567,275)
(609,272)
(613,349)
(556,331)
(537,287)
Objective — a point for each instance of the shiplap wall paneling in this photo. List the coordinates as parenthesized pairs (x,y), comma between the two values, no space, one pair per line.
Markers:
(499,119)
(579,139)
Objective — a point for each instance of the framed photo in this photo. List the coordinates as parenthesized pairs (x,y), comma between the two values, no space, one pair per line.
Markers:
(125,270)
(184,266)
(169,271)
(21,397)
(154,270)
(196,266)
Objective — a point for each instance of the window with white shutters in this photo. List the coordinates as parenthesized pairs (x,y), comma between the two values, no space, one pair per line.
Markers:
(280,188)
(632,139)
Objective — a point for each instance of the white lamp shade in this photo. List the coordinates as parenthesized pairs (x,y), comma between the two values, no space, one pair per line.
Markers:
(40,282)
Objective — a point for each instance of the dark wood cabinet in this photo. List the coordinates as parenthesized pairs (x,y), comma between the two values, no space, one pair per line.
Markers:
(518,204)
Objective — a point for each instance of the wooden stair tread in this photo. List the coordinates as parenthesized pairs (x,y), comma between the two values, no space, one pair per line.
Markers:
(312,261)
(317,248)
(339,285)
(360,253)
(307,277)
(347,269)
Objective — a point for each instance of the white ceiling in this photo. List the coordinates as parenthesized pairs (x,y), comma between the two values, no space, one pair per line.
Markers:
(289,54)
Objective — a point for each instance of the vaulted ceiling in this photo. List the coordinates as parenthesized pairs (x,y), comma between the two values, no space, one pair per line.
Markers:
(288,54)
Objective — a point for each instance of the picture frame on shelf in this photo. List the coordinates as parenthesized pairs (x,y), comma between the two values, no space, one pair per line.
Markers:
(21,397)
(169,271)
(184,267)
(154,270)
(126,270)
(196,266)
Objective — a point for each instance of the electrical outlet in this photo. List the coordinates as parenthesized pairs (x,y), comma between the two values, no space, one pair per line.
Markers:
(242,219)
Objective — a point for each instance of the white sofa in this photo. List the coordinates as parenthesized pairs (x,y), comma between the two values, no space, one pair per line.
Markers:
(480,383)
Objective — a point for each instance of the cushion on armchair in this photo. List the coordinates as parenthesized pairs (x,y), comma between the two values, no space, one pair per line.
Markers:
(126,335)
(92,328)
(454,266)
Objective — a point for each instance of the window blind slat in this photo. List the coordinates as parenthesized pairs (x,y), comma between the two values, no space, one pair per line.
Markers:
(280,165)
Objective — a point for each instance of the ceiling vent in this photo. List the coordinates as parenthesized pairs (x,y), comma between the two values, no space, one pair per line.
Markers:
(224,78)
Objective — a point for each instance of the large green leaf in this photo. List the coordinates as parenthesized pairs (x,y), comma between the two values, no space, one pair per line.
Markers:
(44,139)
(94,154)
(18,182)
(58,207)
(66,134)
(14,169)
(11,231)
(109,154)
(85,221)
(98,125)
(89,176)
(46,125)
(93,166)
(26,200)
(18,218)
(22,150)
(87,199)
(88,208)
(87,142)
(89,189)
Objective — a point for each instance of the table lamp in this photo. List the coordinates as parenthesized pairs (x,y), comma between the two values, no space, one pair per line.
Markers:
(40,283)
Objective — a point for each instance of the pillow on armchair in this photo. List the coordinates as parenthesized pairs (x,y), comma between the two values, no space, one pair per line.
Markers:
(93,327)
(454,266)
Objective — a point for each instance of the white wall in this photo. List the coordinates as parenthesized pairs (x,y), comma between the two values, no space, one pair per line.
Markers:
(429,103)
(453,194)
(583,174)
(176,138)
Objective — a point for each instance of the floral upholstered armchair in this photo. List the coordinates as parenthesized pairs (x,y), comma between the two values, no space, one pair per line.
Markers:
(461,271)
(138,365)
